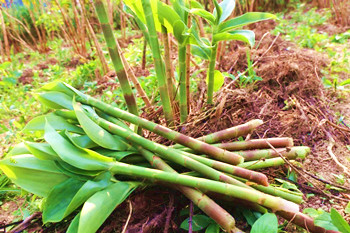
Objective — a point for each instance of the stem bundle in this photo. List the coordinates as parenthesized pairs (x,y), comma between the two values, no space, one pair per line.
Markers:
(239,183)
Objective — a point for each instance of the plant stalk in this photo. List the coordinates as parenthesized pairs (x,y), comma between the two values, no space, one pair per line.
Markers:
(211,70)
(115,56)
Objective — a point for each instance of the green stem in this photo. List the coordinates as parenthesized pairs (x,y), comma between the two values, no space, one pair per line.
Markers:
(159,65)
(167,153)
(260,164)
(289,153)
(182,82)
(207,205)
(115,56)
(214,152)
(211,71)
(274,203)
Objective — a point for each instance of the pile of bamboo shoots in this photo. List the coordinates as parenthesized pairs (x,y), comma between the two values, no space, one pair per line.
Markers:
(84,137)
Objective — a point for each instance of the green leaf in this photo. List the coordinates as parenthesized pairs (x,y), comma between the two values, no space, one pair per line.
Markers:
(56,100)
(32,174)
(118,155)
(200,52)
(69,195)
(213,228)
(219,80)
(196,4)
(249,216)
(57,122)
(74,225)
(247,18)
(75,172)
(346,82)
(97,134)
(179,29)
(347,208)
(339,221)
(217,12)
(265,224)
(98,207)
(19,149)
(324,220)
(81,158)
(166,13)
(227,7)
(82,141)
(204,14)
(59,87)
(199,222)
(41,150)
(241,35)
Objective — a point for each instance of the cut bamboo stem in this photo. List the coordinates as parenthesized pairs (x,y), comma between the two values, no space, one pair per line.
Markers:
(207,205)
(214,152)
(274,203)
(289,153)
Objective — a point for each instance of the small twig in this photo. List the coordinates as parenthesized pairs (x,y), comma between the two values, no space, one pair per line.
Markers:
(25,223)
(128,219)
(293,167)
(325,181)
(190,218)
(330,152)
(168,216)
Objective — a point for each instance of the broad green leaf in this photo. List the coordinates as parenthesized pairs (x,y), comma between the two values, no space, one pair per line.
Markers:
(55,100)
(324,220)
(41,150)
(265,224)
(199,222)
(247,18)
(75,172)
(32,174)
(227,7)
(250,216)
(19,149)
(346,82)
(97,134)
(74,225)
(339,221)
(166,13)
(98,207)
(57,122)
(241,35)
(64,198)
(82,141)
(181,8)
(59,87)
(83,159)
(219,80)
(204,14)
(200,52)
(213,228)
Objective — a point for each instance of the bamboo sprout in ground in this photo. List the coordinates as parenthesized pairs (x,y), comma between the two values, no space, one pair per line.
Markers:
(115,56)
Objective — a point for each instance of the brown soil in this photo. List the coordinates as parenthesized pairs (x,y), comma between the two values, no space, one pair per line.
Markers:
(26,77)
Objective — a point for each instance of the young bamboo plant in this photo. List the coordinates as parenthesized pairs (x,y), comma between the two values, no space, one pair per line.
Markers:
(222,30)
(115,56)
